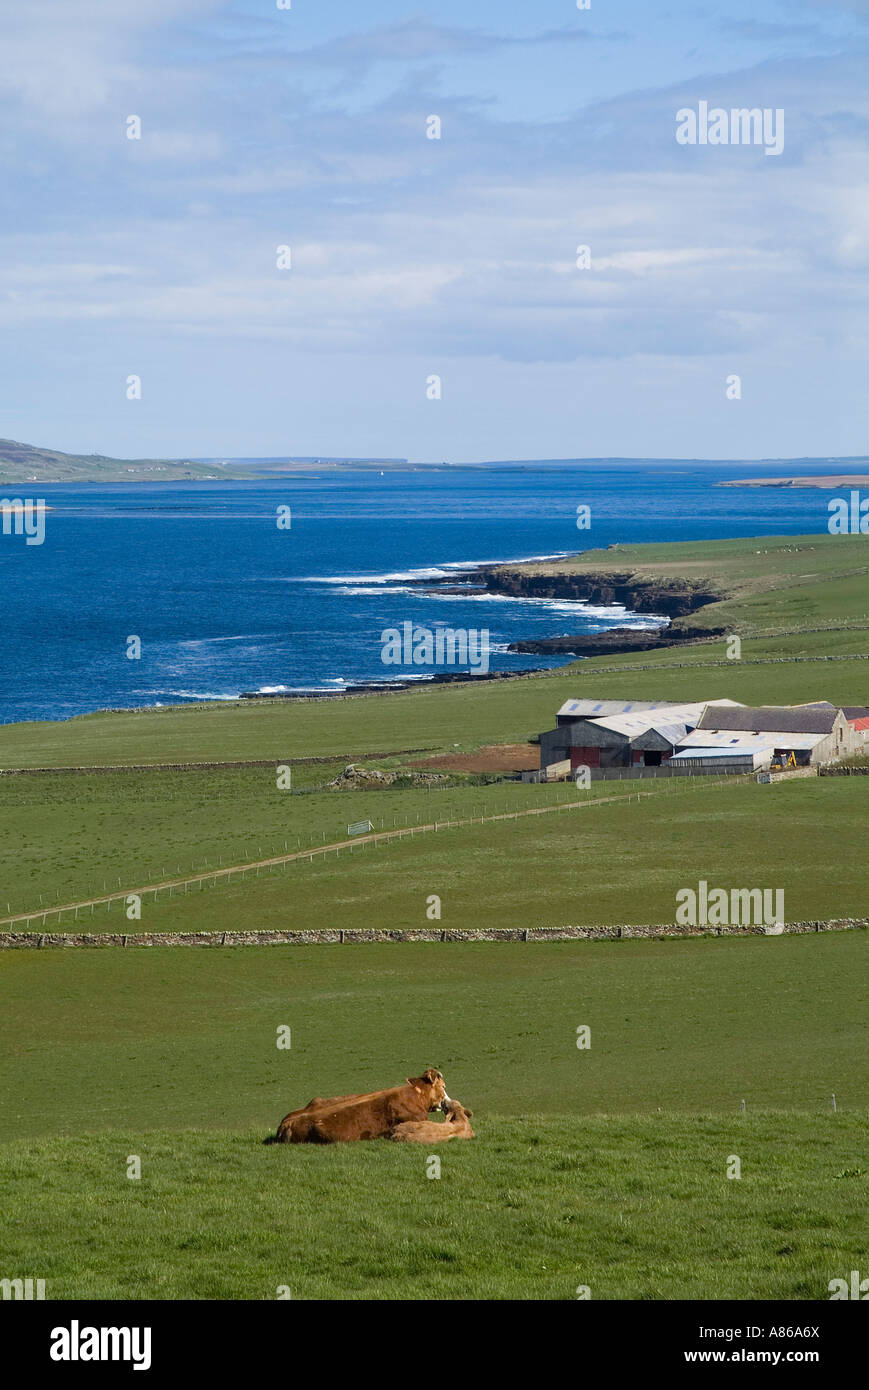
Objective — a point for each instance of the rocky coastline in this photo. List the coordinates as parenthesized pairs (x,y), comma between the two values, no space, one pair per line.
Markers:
(668,600)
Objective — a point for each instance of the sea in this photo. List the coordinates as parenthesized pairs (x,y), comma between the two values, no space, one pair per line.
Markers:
(224,600)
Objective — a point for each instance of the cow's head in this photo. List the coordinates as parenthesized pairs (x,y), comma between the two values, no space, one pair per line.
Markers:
(430,1085)
(455,1112)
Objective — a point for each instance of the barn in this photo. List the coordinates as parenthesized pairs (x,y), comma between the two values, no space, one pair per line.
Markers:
(614,738)
(797,735)
(608,734)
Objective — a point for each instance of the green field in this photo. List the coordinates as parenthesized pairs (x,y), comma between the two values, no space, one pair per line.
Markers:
(567,867)
(602,1167)
(761,582)
(531,1209)
(65,838)
(147,1038)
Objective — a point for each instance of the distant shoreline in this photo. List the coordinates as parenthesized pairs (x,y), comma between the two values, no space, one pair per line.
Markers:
(828,481)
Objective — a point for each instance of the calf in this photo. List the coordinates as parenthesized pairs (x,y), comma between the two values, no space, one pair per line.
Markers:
(455,1126)
(367,1116)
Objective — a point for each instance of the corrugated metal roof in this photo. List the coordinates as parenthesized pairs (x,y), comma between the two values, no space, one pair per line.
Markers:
(740,751)
(589,709)
(772,719)
(672,732)
(733,738)
(678,718)
(598,709)
(860,724)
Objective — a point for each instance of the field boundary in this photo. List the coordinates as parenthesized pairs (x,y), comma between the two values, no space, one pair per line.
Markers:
(664,666)
(335,936)
(209,766)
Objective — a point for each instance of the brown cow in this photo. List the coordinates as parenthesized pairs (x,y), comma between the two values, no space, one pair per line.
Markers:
(455,1126)
(366,1116)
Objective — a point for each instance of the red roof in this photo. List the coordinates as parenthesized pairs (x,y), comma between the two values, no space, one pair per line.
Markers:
(859,723)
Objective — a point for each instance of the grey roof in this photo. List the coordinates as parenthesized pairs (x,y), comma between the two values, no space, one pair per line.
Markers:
(784,719)
(856,712)
(591,709)
(732,738)
(739,751)
(672,732)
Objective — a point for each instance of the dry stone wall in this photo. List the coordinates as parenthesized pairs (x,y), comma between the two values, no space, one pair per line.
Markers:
(335,936)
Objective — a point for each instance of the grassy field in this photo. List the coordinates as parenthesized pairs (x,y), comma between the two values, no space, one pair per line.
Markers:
(603,1167)
(143,1038)
(532,1208)
(763,581)
(27,463)
(63,838)
(568,867)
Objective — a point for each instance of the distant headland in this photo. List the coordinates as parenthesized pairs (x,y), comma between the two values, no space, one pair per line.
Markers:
(828,481)
(29,463)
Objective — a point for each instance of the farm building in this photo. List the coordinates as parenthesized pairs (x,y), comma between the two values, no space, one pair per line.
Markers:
(858,718)
(713,736)
(798,735)
(607,734)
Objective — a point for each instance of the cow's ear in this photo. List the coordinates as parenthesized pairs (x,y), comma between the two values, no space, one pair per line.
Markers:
(469,1113)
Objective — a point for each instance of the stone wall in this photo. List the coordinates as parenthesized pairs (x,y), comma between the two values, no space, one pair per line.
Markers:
(336,936)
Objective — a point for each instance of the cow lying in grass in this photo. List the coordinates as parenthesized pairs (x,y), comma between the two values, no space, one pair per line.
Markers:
(455,1126)
(368,1116)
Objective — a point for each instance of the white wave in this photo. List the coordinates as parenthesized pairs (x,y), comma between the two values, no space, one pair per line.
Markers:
(207,641)
(575,607)
(342,683)
(369,592)
(445,570)
(190,694)
(371,578)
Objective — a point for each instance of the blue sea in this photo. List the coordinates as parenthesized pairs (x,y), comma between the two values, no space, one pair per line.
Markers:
(224,601)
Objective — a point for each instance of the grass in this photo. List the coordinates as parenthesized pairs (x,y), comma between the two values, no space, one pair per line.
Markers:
(146,1039)
(533,1208)
(63,837)
(569,867)
(763,581)
(27,463)
(172,1057)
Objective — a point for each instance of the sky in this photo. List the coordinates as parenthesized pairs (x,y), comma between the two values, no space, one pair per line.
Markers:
(413,258)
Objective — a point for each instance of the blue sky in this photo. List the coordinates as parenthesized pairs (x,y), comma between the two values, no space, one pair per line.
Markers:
(412,257)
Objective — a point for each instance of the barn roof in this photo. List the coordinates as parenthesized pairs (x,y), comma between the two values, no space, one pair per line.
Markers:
(591,709)
(778,719)
(749,738)
(739,750)
(598,710)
